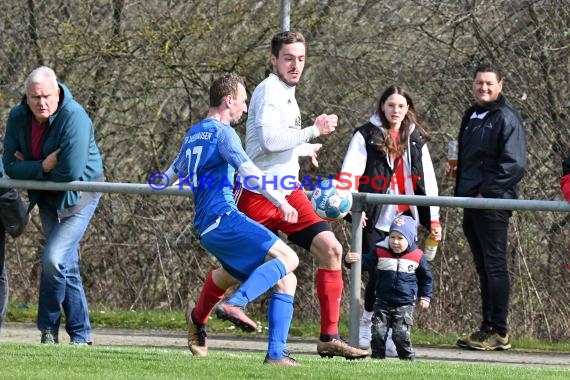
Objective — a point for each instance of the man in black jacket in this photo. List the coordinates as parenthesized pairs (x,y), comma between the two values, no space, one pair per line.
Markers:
(491,164)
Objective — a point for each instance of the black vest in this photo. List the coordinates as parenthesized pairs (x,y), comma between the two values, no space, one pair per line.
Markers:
(379,171)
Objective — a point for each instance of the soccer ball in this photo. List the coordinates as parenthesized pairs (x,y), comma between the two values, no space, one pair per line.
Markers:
(329,202)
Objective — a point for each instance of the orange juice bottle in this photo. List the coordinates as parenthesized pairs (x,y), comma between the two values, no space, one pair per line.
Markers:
(430,247)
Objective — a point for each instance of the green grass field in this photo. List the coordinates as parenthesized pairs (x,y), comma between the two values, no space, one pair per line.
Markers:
(175,320)
(33,361)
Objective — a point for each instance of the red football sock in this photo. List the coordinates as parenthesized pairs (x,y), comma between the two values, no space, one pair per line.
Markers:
(210,295)
(329,291)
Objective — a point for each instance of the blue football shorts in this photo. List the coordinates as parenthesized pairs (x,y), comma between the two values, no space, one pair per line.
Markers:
(239,243)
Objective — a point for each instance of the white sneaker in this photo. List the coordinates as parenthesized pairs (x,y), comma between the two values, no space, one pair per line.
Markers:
(364,334)
(390,346)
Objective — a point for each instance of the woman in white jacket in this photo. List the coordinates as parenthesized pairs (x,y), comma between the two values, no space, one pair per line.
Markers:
(389,155)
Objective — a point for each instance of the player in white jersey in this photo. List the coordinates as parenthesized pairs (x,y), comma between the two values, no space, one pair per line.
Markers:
(211,152)
(275,140)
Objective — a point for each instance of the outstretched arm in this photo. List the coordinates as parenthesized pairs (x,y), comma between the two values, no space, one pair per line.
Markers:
(231,150)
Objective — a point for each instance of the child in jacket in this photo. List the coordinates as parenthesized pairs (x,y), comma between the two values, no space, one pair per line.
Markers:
(404,280)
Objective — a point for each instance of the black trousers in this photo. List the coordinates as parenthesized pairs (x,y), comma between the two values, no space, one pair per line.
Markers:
(369,239)
(486,232)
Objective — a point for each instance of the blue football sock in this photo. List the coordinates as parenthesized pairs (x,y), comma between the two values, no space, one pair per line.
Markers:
(279,315)
(259,281)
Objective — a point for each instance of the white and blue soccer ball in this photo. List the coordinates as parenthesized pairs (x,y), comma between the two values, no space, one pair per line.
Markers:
(330,202)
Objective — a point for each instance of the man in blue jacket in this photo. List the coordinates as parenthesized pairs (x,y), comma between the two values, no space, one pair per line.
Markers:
(4,288)
(49,137)
(491,164)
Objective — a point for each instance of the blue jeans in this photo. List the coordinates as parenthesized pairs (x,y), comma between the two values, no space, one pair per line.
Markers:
(60,284)
(3,277)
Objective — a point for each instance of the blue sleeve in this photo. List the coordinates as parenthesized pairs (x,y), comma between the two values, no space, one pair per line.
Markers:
(14,168)
(229,145)
(2,190)
(74,145)
(180,163)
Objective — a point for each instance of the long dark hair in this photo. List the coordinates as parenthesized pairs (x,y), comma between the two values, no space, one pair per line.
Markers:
(385,143)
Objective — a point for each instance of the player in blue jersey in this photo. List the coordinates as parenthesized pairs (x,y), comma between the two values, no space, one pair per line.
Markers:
(211,153)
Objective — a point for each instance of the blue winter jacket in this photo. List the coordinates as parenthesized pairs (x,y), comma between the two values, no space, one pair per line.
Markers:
(401,279)
(70,129)
(2,190)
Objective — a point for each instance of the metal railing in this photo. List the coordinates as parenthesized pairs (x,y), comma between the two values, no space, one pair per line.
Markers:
(359,200)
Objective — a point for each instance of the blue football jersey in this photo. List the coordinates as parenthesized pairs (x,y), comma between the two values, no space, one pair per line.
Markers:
(210,154)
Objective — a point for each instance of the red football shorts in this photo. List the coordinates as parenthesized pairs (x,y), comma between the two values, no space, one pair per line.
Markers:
(260,209)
